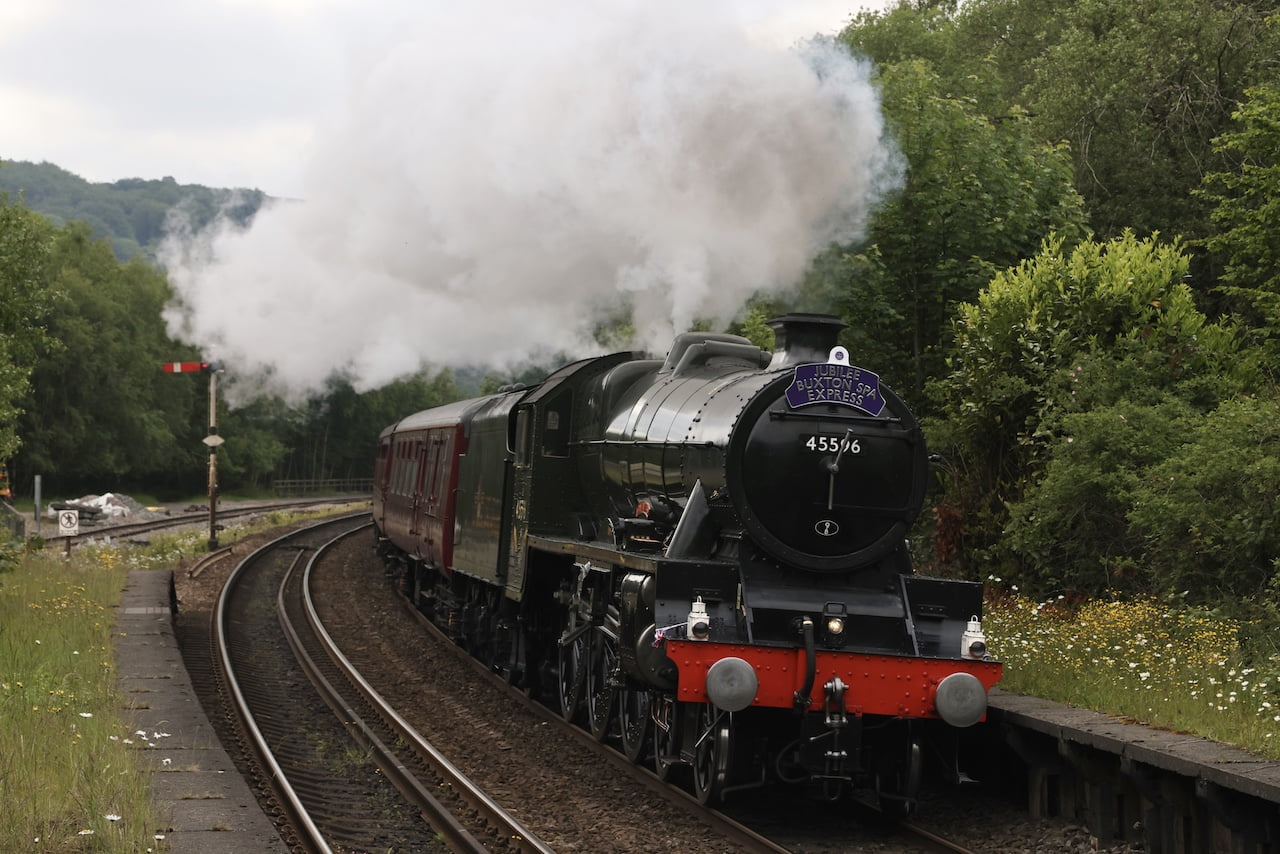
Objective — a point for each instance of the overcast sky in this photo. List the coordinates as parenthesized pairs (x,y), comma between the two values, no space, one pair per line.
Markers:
(231,93)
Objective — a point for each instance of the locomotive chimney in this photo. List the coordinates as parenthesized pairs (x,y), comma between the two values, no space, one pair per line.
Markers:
(800,339)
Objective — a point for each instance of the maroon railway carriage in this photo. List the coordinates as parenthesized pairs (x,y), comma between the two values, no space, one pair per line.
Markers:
(701,557)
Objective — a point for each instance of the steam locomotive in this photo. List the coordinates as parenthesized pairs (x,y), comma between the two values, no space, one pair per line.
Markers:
(700,558)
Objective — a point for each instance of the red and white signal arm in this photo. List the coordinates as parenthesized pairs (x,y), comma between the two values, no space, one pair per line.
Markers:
(185,367)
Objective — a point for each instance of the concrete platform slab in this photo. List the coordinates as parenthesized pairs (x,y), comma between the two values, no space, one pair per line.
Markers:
(208,806)
(1189,756)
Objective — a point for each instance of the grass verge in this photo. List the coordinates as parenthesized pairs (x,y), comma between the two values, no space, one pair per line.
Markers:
(69,779)
(1167,666)
(70,774)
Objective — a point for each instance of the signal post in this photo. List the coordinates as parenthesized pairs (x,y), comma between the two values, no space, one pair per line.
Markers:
(213,440)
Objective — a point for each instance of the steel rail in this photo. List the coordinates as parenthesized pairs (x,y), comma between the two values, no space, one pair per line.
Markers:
(437,815)
(518,836)
(298,816)
(99,531)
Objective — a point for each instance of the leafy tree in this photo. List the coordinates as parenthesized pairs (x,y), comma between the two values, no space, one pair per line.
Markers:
(255,446)
(1070,532)
(100,415)
(1138,93)
(1069,333)
(1210,512)
(147,220)
(755,326)
(909,32)
(981,51)
(130,213)
(25,302)
(336,434)
(1246,208)
(1160,496)
(979,196)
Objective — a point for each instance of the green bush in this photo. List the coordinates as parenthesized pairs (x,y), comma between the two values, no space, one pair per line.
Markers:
(1161,499)
(1210,513)
(1070,532)
(1075,373)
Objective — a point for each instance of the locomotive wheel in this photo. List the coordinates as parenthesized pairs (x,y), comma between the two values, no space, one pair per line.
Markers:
(574,657)
(898,783)
(600,683)
(666,740)
(712,752)
(633,715)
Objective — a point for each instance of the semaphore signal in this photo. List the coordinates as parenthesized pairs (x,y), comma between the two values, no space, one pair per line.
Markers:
(190,367)
(212,440)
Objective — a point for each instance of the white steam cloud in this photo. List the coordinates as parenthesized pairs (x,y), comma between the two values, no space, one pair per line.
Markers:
(507,176)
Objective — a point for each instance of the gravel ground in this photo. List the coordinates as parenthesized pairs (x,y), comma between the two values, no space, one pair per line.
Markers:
(558,787)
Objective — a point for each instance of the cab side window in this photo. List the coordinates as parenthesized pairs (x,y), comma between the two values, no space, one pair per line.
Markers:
(556,426)
(524,435)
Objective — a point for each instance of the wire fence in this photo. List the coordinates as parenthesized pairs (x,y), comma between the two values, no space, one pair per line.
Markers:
(324,486)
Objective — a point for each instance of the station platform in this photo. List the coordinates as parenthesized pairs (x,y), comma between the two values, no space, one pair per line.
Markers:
(206,805)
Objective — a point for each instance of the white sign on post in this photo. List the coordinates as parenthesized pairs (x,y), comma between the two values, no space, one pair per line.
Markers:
(68,523)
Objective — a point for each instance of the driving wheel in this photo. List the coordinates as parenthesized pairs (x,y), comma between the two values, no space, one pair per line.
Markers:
(712,752)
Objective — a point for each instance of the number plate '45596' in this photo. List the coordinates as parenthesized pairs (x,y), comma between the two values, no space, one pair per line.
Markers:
(831,444)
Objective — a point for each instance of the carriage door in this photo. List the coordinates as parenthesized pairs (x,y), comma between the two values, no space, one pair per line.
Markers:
(521,488)
(416,508)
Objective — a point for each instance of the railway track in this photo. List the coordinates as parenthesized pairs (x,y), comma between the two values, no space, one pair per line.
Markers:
(124,531)
(332,794)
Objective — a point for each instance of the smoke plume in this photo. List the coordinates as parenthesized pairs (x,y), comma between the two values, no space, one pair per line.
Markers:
(505,177)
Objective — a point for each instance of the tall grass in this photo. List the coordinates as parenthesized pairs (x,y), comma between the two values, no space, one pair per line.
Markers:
(1163,664)
(69,778)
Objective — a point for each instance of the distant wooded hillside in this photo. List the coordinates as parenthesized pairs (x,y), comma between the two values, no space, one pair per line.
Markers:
(130,213)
